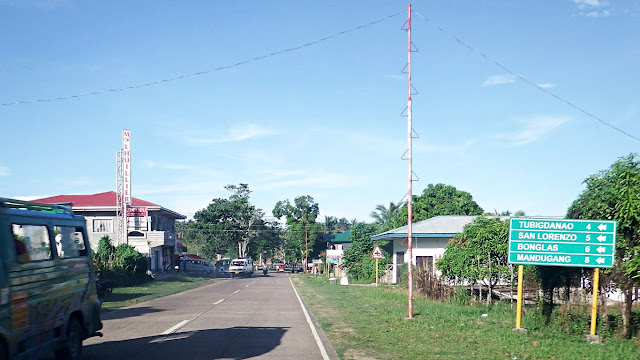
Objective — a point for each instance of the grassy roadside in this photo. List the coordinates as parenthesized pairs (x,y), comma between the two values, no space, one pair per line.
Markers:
(131,295)
(369,323)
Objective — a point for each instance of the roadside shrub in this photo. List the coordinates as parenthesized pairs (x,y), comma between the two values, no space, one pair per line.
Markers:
(428,284)
(460,296)
(104,253)
(127,257)
(127,266)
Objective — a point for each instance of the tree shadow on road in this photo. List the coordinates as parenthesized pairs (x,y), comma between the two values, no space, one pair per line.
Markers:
(230,343)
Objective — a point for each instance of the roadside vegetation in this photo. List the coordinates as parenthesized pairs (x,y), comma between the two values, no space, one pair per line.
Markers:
(364,322)
(153,289)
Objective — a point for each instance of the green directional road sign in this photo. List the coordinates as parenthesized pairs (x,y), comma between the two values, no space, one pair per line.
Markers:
(562,242)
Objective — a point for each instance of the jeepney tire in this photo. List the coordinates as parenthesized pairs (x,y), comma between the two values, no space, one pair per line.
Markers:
(3,350)
(73,347)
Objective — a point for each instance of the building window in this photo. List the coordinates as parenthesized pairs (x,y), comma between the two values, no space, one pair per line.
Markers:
(103,225)
(425,262)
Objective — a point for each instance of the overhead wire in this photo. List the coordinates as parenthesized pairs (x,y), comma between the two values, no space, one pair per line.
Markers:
(184,76)
(523,79)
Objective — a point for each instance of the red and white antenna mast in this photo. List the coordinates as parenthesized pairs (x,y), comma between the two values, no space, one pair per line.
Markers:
(410,169)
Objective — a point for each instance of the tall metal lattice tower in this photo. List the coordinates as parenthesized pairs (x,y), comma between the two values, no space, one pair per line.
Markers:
(121,206)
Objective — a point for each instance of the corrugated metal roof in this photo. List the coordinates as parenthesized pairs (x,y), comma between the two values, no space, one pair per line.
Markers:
(443,225)
(341,238)
(106,199)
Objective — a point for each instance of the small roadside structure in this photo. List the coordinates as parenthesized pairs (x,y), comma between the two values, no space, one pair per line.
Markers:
(429,240)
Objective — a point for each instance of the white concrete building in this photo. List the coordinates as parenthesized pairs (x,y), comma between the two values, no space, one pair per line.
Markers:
(429,240)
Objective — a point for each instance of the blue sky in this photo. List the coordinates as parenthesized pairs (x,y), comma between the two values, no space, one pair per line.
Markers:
(322,120)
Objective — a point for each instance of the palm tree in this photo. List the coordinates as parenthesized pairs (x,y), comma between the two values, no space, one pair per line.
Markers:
(384,216)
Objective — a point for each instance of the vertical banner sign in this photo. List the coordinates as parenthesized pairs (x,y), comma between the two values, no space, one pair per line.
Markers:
(126,164)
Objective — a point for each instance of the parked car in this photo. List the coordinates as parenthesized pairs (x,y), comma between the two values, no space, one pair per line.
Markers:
(49,302)
(222,267)
(198,266)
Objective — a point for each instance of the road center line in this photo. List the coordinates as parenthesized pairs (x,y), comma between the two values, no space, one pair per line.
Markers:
(323,351)
(237,291)
(218,302)
(175,327)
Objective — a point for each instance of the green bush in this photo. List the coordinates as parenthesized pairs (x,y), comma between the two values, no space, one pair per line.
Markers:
(123,264)
(461,296)
(128,258)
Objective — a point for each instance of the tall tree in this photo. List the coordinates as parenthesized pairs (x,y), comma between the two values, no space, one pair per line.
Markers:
(614,194)
(229,226)
(385,216)
(301,223)
(439,199)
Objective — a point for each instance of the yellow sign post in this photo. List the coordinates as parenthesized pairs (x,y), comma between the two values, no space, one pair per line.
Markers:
(594,301)
(519,303)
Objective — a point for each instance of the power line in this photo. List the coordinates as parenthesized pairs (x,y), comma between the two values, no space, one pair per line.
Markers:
(525,80)
(184,76)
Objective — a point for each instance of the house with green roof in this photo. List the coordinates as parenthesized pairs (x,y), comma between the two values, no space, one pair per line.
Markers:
(336,245)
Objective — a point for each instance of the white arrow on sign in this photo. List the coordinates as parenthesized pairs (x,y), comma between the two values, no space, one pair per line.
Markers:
(602,238)
(601,249)
(600,260)
(602,227)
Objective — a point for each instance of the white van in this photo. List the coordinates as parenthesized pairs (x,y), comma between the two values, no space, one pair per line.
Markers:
(241,267)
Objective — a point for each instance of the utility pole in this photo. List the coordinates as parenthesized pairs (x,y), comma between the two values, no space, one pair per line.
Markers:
(410,170)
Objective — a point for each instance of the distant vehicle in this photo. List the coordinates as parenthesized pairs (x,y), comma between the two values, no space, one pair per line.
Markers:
(198,266)
(49,302)
(241,267)
(222,267)
(297,268)
(280,267)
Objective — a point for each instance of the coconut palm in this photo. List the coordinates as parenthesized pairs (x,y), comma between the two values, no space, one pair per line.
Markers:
(385,216)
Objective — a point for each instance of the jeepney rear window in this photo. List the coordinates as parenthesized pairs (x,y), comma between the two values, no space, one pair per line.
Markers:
(69,242)
(35,239)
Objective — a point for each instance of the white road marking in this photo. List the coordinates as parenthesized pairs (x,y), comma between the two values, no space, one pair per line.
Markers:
(218,302)
(237,291)
(175,327)
(323,351)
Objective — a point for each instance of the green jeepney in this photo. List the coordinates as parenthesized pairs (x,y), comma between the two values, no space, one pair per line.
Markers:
(48,299)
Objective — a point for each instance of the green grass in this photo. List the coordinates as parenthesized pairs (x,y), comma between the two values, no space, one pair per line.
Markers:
(131,295)
(370,323)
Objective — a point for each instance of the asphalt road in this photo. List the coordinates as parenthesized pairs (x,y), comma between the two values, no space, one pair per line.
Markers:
(243,318)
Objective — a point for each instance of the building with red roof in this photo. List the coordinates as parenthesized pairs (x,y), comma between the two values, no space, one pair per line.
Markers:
(151,227)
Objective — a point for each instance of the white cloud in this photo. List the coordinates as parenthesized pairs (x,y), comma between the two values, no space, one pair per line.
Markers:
(603,13)
(533,129)
(584,3)
(4,171)
(235,134)
(588,8)
(546,85)
(499,80)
